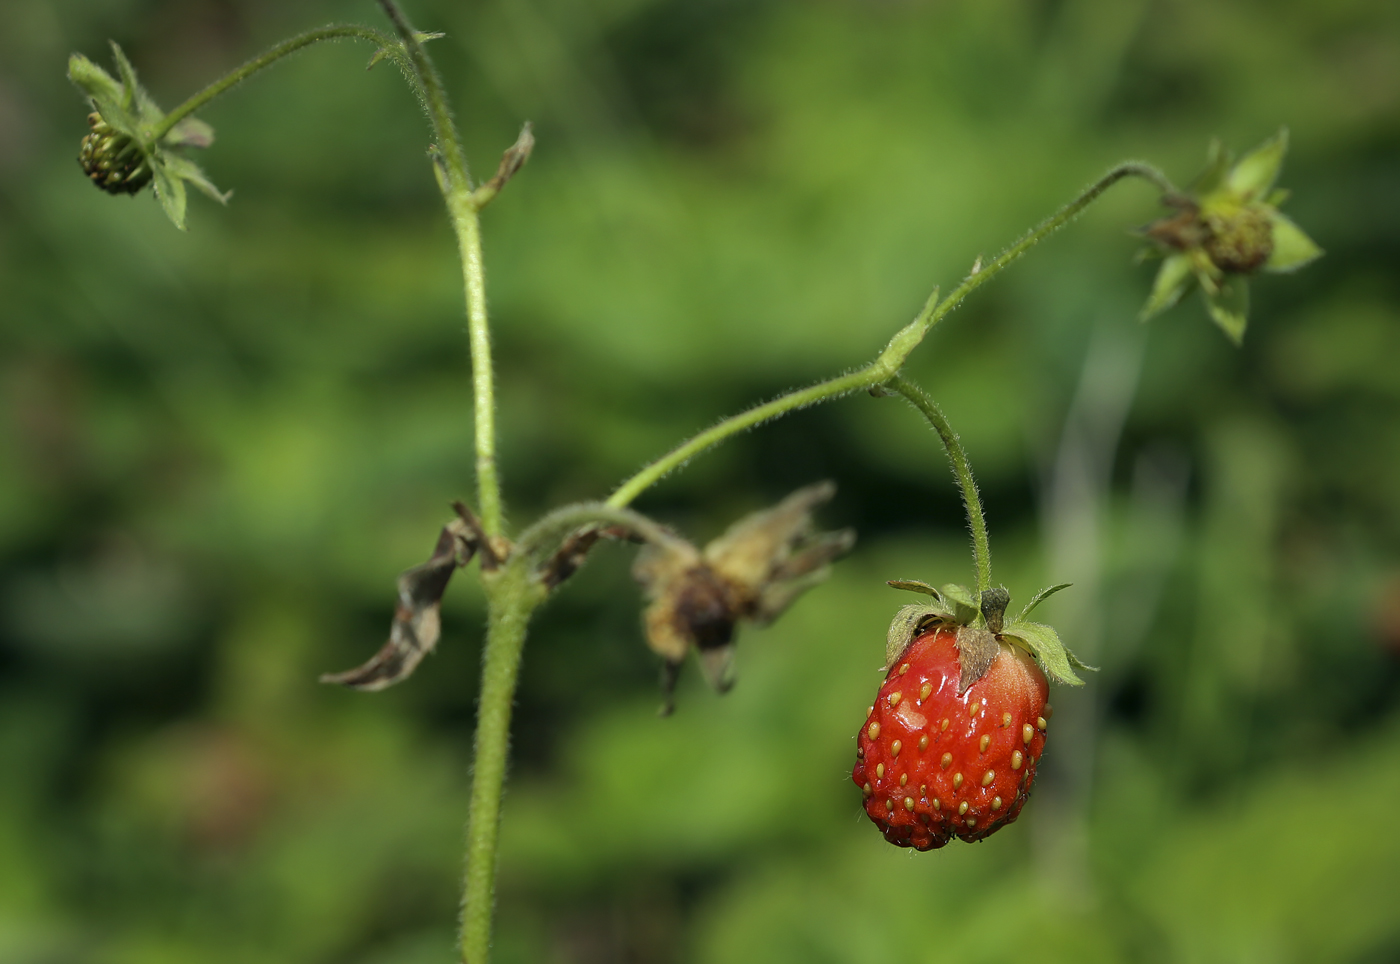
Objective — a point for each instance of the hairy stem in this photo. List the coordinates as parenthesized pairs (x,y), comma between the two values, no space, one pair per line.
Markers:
(976,521)
(893,357)
(455,182)
(267,59)
(550,529)
(513,596)
(467,224)
(434,98)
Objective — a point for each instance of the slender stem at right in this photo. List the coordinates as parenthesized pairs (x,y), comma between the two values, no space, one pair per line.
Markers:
(893,357)
(977,522)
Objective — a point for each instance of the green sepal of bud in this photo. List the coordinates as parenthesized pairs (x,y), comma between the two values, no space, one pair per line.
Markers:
(1227,227)
(1229,306)
(1173,278)
(1292,248)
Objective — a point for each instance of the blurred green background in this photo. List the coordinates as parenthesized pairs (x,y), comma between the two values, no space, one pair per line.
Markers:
(218,449)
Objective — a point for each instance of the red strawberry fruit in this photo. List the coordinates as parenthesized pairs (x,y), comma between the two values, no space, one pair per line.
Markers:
(951,745)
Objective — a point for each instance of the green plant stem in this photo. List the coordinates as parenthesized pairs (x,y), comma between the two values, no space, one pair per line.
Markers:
(550,529)
(466,222)
(513,595)
(976,521)
(893,357)
(463,209)
(434,99)
(267,59)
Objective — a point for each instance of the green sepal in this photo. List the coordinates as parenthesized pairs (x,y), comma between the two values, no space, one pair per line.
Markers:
(1078,663)
(1039,598)
(1292,248)
(915,585)
(102,89)
(907,623)
(184,169)
(962,602)
(1042,642)
(128,75)
(190,132)
(135,100)
(1256,172)
(1217,166)
(170,191)
(1173,278)
(1229,307)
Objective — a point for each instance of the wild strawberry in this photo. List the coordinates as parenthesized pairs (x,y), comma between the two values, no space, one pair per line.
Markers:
(951,745)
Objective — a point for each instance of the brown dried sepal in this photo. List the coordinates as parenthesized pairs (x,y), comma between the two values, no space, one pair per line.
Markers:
(514,158)
(977,648)
(417,620)
(573,552)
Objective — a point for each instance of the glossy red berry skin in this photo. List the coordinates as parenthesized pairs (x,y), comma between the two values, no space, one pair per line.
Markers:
(934,763)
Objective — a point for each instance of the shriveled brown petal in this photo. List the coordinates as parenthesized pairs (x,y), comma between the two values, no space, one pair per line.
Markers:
(657,566)
(760,544)
(417,620)
(697,607)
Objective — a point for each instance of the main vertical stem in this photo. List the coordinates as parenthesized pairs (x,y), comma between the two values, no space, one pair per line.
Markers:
(467,223)
(513,597)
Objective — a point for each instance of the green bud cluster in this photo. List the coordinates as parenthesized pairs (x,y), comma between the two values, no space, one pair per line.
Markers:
(112,159)
(131,144)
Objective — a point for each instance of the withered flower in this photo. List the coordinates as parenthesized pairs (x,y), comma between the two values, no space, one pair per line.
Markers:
(754,571)
(1228,226)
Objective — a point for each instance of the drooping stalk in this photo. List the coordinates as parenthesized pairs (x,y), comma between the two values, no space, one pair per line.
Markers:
(434,96)
(972,502)
(892,358)
(270,57)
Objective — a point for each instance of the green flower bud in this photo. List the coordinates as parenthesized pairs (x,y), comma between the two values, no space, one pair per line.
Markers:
(113,160)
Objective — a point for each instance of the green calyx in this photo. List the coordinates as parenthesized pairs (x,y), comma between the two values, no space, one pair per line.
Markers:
(122,152)
(980,623)
(1227,227)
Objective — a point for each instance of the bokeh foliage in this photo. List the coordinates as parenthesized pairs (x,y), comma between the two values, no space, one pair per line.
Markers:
(217,449)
